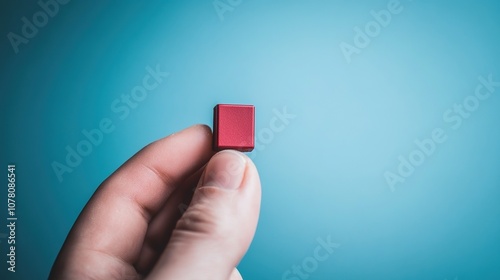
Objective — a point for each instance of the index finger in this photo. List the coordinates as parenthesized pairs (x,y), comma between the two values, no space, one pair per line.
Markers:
(116,218)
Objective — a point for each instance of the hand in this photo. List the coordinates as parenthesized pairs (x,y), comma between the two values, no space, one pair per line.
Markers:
(132,227)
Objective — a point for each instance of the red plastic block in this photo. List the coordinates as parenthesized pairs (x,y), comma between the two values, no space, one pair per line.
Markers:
(234,127)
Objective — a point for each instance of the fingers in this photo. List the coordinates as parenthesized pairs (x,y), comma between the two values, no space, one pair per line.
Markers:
(235,275)
(162,225)
(217,228)
(116,218)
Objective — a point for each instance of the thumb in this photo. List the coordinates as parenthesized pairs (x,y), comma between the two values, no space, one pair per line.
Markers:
(216,230)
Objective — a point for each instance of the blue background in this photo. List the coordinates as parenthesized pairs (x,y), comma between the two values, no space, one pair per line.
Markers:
(323,175)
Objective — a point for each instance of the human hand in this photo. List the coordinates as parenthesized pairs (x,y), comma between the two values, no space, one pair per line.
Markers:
(132,227)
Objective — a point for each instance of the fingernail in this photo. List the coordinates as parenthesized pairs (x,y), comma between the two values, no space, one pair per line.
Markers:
(225,170)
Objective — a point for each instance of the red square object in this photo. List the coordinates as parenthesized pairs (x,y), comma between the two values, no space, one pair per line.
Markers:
(234,127)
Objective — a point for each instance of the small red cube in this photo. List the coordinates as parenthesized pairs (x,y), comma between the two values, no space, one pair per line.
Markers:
(234,127)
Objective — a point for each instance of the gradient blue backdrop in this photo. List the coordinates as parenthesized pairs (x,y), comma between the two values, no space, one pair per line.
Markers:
(322,176)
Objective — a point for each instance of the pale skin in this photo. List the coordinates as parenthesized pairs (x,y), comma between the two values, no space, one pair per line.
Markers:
(132,227)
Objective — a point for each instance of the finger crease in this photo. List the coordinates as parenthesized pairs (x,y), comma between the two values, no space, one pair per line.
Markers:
(168,181)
